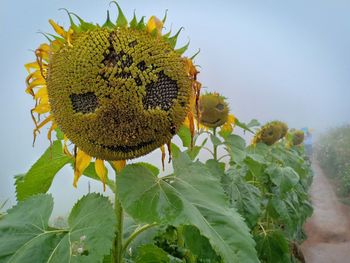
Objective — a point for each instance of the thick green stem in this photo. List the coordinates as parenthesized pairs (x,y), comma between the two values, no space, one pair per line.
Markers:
(215,151)
(118,242)
(137,232)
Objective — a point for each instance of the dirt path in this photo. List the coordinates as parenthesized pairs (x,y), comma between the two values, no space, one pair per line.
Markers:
(328,229)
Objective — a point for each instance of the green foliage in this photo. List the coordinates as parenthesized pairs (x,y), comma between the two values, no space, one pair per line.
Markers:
(333,153)
(40,176)
(248,205)
(25,234)
(192,196)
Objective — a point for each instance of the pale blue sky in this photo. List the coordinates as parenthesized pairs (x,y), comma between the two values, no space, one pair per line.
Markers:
(274,59)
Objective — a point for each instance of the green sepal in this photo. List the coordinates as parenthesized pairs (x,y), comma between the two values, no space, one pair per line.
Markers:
(84,26)
(154,32)
(141,24)
(183,49)
(167,35)
(61,39)
(133,22)
(46,35)
(108,24)
(195,55)
(165,16)
(72,24)
(172,40)
(121,19)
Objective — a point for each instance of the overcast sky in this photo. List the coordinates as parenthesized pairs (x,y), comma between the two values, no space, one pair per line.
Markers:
(286,60)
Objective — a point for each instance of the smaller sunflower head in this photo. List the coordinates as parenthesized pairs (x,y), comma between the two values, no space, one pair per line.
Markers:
(283,126)
(297,137)
(213,110)
(269,133)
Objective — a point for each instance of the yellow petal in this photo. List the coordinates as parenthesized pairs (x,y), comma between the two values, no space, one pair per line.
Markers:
(191,122)
(101,171)
(65,147)
(154,24)
(42,108)
(82,161)
(31,65)
(49,133)
(118,165)
(231,119)
(58,29)
(41,93)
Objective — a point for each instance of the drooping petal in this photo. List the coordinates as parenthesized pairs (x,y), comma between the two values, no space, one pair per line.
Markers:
(154,24)
(58,29)
(65,147)
(42,108)
(118,165)
(191,125)
(101,171)
(162,149)
(82,161)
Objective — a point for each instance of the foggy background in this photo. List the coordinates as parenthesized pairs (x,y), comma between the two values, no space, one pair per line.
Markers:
(286,60)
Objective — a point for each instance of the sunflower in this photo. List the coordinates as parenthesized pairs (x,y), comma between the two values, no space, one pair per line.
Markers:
(297,137)
(213,112)
(270,133)
(116,91)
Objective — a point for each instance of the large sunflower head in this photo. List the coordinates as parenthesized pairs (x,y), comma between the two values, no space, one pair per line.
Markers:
(213,110)
(269,133)
(117,91)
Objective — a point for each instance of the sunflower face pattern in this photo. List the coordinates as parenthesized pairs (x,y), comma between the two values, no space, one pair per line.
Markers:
(270,133)
(213,110)
(116,91)
(118,94)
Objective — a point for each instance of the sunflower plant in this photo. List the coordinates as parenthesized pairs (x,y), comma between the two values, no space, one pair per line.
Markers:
(112,93)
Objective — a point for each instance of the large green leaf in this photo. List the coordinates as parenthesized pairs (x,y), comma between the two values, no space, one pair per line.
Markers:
(40,176)
(151,254)
(273,247)
(199,245)
(26,237)
(283,177)
(236,147)
(191,197)
(243,196)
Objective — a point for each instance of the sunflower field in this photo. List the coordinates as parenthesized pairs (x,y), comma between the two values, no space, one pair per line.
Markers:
(114,92)
(334,156)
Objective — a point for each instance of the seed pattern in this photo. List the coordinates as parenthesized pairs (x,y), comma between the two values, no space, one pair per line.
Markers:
(84,103)
(161,93)
(132,88)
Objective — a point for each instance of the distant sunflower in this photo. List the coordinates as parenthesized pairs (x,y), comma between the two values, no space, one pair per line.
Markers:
(270,133)
(297,137)
(213,112)
(117,91)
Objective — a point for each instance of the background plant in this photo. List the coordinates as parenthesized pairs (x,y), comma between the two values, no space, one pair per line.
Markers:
(333,152)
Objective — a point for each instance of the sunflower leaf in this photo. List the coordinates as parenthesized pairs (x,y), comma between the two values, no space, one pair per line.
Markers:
(193,196)
(26,237)
(40,176)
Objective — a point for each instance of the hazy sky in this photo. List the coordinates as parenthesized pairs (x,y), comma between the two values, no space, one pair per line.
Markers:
(286,60)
